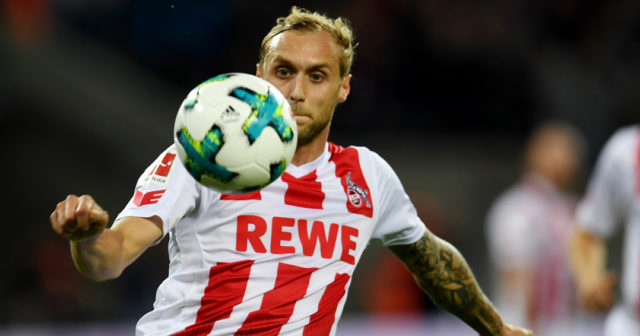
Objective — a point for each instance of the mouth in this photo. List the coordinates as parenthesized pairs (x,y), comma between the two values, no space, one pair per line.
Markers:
(299,115)
(301,118)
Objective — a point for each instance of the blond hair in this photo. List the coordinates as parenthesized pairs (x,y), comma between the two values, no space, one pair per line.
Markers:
(301,19)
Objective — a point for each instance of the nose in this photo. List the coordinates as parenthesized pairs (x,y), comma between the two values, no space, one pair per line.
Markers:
(298,90)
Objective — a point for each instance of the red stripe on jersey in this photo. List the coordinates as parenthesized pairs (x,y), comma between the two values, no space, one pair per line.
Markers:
(227,284)
(242,197)
(350,173)
(304,192)
(320,322)
(277,304)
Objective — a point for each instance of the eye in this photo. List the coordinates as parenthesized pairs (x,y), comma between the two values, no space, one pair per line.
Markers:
(317,76)
(282,72)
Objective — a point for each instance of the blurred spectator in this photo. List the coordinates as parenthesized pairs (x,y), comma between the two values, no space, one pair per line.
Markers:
(611,203)
(527,232)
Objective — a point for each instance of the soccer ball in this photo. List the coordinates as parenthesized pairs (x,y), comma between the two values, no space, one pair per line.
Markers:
(235,133)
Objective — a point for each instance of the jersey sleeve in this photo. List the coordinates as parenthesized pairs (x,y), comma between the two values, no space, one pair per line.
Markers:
(165,189)
(509,231)
(397,221)
(604,203)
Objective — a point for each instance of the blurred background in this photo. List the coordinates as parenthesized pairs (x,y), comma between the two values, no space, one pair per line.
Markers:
(446,91)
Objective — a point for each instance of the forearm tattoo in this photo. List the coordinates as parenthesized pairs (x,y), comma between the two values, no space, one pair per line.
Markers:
(444,275)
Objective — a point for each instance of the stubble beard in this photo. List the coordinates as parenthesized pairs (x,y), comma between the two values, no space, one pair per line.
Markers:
(311,130)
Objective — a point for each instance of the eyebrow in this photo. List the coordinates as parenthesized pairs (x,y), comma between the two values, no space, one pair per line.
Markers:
(279,60)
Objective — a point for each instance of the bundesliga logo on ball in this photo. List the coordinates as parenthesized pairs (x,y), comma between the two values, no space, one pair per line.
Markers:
(235,133)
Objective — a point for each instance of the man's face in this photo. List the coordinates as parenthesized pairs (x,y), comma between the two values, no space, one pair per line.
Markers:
(305,67)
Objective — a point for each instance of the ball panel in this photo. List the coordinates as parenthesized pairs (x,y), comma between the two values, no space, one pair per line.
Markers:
(266,111)
(200,158)
(251,174)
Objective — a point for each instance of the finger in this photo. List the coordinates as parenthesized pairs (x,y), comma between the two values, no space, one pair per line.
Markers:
(602,303)
(590,300)
(600,299)
(607,299)
(98,216)
(607,290)
(83,211)
(69,214)
(56,218)
(63,219)
(594,300)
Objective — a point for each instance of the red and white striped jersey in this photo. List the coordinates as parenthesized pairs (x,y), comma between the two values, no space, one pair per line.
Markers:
(612,200)
(528,230)
(277,261)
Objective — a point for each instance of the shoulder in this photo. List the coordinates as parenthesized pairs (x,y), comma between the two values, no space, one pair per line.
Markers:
(167,169)
(626,132)
(623,138)
(516,199)
(620,146)
(163,162)
(168,161)
(337,151)
(506,199)
(363,159)
(362,154)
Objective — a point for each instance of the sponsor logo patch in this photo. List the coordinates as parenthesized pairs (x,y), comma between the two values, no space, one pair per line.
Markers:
(151,197)
(158,174)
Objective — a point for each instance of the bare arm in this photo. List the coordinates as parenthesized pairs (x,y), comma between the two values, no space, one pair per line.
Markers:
(588,258)
(442,272)
(100,253)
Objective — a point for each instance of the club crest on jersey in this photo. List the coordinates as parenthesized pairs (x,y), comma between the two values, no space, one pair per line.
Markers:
(356,195)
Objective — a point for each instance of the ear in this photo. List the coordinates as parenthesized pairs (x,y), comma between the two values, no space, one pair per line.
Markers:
(345,88)
(258,70)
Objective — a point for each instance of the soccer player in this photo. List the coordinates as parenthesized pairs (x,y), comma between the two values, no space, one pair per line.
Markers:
(528,230)
(612,201)
(279,260)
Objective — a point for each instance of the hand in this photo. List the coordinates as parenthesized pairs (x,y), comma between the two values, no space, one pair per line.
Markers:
(511,330)
(597,292)
(79,218)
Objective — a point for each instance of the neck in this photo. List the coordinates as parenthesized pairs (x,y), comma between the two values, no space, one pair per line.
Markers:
(311,150)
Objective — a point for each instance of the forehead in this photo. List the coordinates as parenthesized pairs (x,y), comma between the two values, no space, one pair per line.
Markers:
(304,49)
